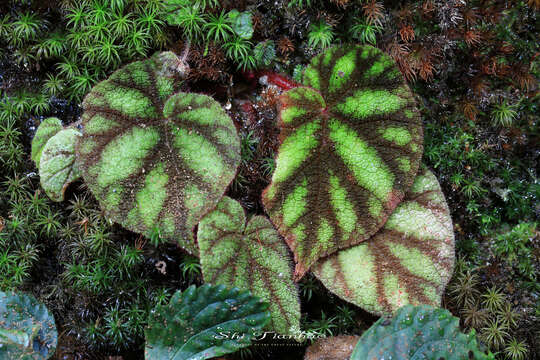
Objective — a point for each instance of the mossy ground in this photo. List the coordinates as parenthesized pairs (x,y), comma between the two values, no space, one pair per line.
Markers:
(472,68)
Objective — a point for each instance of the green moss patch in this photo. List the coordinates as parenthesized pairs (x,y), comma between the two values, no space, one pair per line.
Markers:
(249,256)
(151,154)
(409,261)
(345,159)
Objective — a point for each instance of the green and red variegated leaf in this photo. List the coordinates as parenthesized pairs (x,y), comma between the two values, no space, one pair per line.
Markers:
(408,262)
(156,159)
(351,143)
(249,256)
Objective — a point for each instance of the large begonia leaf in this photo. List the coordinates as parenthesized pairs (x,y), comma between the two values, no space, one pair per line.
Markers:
(57,166)
(46,130)
(203,323)
(408,262)
(351,143)
(156,159)
(249,256)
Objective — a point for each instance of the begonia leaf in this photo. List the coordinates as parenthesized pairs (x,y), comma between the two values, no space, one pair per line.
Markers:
(249,256)
(409,261)
(58,166)
(351,143)
(46,130)
(156,159)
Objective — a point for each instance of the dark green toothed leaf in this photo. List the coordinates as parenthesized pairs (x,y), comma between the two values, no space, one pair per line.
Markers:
(46,130)
(251,257)
(58,167)
(409,261)
(27,328)
(156,159)
(205,322)
(418,333)
(351,143)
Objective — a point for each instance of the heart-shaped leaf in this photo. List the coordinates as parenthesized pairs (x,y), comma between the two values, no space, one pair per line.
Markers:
(205,322)
(156,159)
(418,333)
(409,261)
(27,328)
(46,130)
(351,143)
(58,167)
(251,257)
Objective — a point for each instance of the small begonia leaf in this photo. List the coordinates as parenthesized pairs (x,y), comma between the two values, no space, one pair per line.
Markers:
(58,166)
(409,261)
(250,256)
(351,144)
(46,130)
(156,159)
(242,23)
